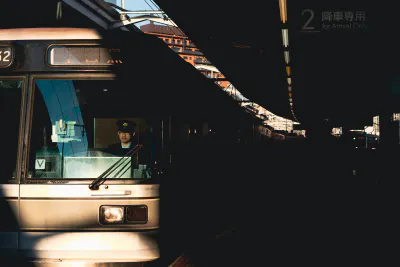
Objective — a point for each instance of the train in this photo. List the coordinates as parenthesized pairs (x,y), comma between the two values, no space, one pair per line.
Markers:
(63,90)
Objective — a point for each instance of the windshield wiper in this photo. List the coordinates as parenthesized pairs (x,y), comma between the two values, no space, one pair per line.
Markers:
(102,178)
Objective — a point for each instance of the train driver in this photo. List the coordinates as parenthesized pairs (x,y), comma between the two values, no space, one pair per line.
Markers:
(126,133)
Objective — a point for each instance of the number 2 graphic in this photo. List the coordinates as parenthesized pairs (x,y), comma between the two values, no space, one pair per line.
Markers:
(6,56)
(305,26)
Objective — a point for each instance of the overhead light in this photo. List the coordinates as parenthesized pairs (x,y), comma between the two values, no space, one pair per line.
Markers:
(105,90)
(288,70)
(289,81)
(283,10)
(285,37)
(287,59)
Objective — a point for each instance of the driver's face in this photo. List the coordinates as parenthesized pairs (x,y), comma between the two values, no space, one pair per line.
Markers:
(124,137)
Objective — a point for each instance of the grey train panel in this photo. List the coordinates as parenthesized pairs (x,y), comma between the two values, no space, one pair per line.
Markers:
(60,214)
(67,207)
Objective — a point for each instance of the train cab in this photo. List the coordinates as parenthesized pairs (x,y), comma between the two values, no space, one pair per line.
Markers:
(67,195)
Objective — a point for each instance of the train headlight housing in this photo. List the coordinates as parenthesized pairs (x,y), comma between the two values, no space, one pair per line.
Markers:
(130,214)
(136,214)
(111,215)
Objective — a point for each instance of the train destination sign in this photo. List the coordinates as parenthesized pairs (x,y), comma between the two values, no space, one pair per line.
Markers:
(6,56)
(83,56)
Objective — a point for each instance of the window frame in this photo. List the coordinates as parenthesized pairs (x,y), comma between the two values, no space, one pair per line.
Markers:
(29,120)
(22,118)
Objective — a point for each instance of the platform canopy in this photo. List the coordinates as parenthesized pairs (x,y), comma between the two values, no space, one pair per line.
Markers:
(341,53)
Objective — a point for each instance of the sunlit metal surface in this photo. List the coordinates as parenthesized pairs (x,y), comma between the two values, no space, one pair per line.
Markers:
(82,191)
(99,246)
(49,34)
(9,190)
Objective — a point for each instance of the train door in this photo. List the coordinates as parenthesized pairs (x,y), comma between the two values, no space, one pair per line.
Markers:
(63,217)
(12,91)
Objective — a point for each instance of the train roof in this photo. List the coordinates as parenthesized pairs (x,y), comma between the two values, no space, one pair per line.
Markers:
(49,34)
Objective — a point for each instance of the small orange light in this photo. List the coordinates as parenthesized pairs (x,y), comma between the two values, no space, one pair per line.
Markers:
(288,70)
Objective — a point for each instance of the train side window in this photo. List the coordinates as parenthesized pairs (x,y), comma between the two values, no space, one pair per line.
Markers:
(10,106)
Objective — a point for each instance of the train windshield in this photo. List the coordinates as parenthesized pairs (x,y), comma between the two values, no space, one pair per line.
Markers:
(76,131)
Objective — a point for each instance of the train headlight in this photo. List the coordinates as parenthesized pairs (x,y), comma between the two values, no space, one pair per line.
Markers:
(111,215)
